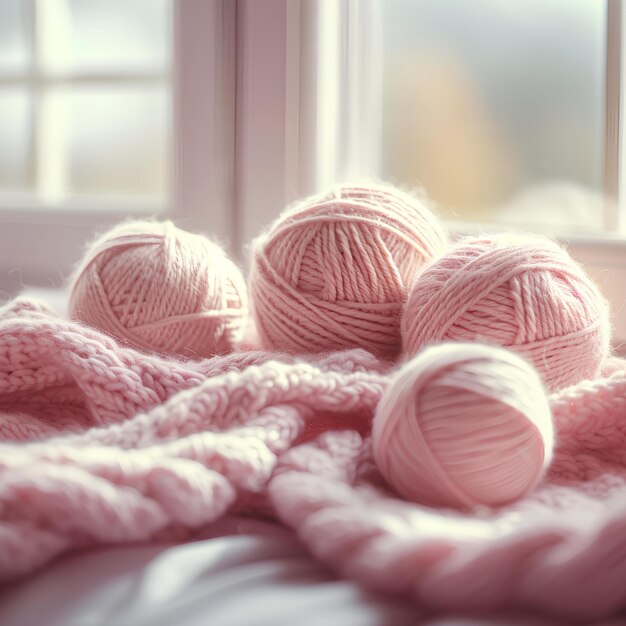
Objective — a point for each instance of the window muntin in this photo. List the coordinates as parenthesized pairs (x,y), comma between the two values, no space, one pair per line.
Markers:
(85,103)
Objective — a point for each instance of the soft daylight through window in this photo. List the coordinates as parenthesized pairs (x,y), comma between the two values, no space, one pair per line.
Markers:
(496,108)
(84,101)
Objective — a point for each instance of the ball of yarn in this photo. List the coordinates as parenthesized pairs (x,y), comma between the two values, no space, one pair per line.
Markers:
(334,271)
(522,292)
(463,425)
(161,289)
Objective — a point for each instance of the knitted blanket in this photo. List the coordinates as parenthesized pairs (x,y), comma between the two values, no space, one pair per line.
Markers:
(102,444)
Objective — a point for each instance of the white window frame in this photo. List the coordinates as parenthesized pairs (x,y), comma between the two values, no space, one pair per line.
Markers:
(299,126)
(39,244)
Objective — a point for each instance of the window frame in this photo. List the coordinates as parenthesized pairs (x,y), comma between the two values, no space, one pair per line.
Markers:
(310,109)
(38,243)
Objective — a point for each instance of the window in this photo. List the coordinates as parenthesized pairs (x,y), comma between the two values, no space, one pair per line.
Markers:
(509,113)
(85,98)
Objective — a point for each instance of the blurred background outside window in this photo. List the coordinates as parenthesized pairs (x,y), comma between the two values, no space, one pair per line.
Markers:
(496,108)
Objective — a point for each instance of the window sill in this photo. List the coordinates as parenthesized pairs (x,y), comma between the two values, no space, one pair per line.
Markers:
(27,208)
(41,244)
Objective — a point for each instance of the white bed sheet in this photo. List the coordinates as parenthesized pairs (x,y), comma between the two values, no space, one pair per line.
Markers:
(240,572)
(259,576)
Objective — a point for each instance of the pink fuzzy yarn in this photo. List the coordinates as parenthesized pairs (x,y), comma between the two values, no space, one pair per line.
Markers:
(161,289)
(518,291)
(463,425)
(334,271)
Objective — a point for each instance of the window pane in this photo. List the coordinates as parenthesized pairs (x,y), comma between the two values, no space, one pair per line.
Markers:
(15,115)
(13,36)
(110,36)
(106,140)
(495,107)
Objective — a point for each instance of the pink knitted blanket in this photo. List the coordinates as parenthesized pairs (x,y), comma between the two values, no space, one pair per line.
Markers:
(102,444)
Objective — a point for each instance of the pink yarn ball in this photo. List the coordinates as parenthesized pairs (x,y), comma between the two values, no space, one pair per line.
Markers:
(463,425)
(334,271)
(522,292)
(161,289)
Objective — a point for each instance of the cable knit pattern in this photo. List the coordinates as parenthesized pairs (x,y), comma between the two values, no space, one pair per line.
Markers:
(103,444)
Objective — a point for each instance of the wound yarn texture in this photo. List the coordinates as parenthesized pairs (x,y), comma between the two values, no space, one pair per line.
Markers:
(161,289)
(463,425)
(334,270)
(518,291)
